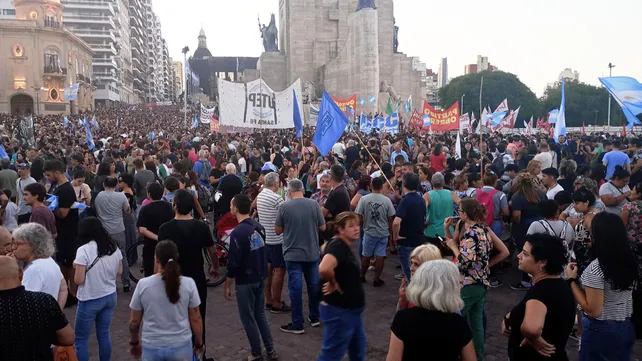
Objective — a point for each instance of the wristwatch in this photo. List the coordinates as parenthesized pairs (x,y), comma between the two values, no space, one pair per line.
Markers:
(572,280)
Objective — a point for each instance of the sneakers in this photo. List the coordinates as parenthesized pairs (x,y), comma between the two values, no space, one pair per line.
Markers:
(399,276)
(268,307)
(495,283)
(283,309)
(371,268)
(271,355)
(289,328)
(314,322)
(378,283)
(522,286)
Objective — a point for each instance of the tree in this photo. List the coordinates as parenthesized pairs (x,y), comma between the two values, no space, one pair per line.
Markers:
(584,103)
(498,85)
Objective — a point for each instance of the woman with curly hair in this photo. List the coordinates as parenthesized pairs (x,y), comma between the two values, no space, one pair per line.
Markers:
(567,174)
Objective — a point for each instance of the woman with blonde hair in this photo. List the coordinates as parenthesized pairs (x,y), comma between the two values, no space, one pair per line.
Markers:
(534,168)
(420,255)
(435,292)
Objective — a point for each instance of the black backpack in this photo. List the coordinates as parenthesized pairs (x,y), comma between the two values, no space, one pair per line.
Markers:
(498,164)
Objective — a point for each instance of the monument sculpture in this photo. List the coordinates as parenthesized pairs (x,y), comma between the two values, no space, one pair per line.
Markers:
(270,35)
(332,47)
(366,4)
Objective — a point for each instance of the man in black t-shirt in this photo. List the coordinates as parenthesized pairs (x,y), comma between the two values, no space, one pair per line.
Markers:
(66,221)
(229,186)
(150,219)
(338,200)
(191,237)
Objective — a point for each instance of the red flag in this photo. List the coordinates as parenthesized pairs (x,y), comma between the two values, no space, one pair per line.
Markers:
(583,130)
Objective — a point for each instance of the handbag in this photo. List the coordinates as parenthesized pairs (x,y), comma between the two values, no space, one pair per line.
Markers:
(65,353)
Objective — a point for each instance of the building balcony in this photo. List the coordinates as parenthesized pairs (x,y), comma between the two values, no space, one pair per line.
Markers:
(92,6)
(104,48)
(105,62)
(102,77)
(54,71)
(94,34)
(52,23)
(90,19)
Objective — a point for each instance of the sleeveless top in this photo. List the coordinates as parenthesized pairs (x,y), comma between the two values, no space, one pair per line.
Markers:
(440,207)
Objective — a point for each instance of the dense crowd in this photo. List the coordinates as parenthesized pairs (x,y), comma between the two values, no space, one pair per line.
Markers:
(567,213)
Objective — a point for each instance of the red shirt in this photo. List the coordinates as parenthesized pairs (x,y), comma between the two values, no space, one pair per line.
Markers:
(437,162)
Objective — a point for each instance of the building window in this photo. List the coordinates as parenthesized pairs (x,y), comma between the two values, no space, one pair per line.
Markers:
(8,11)
(52,60)
(332,49)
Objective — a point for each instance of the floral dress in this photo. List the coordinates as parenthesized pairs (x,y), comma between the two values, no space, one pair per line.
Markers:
(635,229)
(581,246)
(475,247)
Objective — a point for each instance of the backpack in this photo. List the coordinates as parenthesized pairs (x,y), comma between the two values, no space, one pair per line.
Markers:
(486,200)
(204,197)
(498,164)
(204,172)
(549,229)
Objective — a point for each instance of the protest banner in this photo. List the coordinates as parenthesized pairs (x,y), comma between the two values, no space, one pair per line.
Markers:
(443,120)
(345,103)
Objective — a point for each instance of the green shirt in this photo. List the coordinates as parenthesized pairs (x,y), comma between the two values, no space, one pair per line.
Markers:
(440,207)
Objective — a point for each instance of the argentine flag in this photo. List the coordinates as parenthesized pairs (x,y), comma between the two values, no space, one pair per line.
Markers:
(552,116)
(560,124)
(627,92)
(362,102)
(496,118)
(427,121)
(372,99)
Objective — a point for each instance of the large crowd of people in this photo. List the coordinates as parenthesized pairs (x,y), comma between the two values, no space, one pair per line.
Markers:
(567,213)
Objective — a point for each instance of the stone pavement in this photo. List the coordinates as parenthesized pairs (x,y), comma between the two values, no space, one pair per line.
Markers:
(226,340)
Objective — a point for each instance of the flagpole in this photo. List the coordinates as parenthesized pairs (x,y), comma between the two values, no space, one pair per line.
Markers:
(481,157)
(373,159)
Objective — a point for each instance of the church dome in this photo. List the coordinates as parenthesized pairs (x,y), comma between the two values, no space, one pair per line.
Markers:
(202,53)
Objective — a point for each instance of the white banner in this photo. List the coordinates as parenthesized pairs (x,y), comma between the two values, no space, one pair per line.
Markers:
(256,105)
(206,115)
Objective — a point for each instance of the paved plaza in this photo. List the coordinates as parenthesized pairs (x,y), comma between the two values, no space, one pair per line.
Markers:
(226,339)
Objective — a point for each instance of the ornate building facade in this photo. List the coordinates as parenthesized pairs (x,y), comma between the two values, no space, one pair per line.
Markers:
(39,58)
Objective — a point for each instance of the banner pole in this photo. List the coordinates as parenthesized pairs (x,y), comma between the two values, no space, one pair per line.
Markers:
(481,157)
(373,159)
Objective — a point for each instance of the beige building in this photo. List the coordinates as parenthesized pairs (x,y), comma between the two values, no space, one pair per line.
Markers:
(39,58)
(178,77)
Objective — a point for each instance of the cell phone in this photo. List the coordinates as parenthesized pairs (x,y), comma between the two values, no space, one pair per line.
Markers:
(456,218)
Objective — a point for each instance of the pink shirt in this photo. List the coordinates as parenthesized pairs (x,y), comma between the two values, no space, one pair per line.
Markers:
(145,202)
(193,156)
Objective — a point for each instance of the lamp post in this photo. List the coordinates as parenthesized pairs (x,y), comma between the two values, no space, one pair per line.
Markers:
(38,90)
(596,111)
(185,51)
(611,66)
(462,105)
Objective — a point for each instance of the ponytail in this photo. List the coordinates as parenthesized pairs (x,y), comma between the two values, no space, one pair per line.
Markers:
(167,254)
(473,209)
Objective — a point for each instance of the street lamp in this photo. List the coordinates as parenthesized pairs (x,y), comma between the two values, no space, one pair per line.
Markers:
(596,111)
(38,90)
(462,105)
(185,51)
(611,66)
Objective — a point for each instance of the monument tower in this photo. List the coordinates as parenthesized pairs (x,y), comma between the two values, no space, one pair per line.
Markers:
(346,47)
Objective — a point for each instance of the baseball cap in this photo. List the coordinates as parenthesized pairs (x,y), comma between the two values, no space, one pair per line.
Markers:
(24,165)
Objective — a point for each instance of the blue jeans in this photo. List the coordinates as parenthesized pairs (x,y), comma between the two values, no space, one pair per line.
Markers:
(182,352)
(606,340)
(497,228)
(296,272)
(250,299)
(342,331)
(99,311)
(404,258)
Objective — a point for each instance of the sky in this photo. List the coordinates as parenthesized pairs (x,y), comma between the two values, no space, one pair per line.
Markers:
(535,40)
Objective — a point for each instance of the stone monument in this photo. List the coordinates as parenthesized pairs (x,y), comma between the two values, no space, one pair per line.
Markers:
(332,46)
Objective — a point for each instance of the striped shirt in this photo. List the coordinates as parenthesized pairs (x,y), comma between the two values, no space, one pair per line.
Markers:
(267,204)
(618,305)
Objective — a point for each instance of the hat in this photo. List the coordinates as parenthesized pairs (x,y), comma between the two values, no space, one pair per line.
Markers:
(24,165)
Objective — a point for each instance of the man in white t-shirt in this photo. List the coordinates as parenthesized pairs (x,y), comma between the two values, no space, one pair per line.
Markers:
(339,149)
(549,180)
(34,247)
(544,156)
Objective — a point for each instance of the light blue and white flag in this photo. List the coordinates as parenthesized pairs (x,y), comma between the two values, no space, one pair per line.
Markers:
(153,135)
(627,92)
(552,116)
(3,153)
(65,122)
(349,110)
(362,102)
(408,105)
(195,122)
(296,116)
(496,118)
(94,123)
(81,122)
(427,122)
(560,124)
(89,138)
(372,99)
(365,124)
(392,124)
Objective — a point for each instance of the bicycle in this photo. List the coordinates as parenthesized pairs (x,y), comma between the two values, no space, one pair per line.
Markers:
(136,270)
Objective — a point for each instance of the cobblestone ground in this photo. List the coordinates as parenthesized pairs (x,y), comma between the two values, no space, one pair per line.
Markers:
(226,340)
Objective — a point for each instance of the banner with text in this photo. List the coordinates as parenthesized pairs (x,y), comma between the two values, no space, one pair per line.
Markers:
(256,105)
(206,115)
(71,93)
(214,126)
(445,120)
(416,121)
(345,103)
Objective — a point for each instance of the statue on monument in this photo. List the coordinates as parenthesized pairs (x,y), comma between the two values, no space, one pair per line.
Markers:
(385,88)
(309,93)
(270,35)
(395,42)
(366,4)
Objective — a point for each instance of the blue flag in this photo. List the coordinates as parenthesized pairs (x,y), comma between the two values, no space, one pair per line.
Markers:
(298,124)
(560,124)
(365,124)
(330,125)
(3,153)
(94,122)
(496,118)
(349,110)
(89,138)
(153,135)
(65,122)
(627,92)
(195,122)
(372,99)
(362,102)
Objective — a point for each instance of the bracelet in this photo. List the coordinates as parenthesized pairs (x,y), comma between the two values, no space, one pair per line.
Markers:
(134,343)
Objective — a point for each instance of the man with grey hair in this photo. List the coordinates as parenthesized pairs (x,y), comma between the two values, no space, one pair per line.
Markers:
(299,220)
(228,186)
(321,196)
(323,169)
(267,204)
(203,168)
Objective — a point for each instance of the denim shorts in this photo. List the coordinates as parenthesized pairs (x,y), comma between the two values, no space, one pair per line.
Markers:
(374,246)
(275,255)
